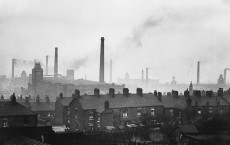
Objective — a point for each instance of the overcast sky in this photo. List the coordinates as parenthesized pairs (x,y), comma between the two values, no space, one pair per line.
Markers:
(168,36)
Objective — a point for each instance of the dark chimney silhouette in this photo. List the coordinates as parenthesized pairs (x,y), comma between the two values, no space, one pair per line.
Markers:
(13,63)
(56,63)
(112,92)
(13,99)
(198,72)
(76,94)
(47,64)
(140,92)
(96,92)
(101,75)
(126,92)
(37,99)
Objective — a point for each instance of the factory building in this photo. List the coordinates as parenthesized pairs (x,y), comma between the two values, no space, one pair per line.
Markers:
(52,86)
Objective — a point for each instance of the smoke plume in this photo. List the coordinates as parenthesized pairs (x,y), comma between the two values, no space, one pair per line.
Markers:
(79,62)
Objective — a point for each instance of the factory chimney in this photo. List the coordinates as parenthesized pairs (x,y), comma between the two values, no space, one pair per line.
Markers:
(13,63)
(111,63)
(142,75)
(47,65)
(101,75)
(56,63)
(147,75)
(198,72)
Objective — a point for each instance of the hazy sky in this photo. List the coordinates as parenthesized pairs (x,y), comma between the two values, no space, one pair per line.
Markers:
(168,36)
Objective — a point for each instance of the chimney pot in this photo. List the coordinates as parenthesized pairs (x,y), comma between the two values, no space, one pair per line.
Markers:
(13,99)
(126,92)
(140,92)
(76,94)
(112,92)
(38,99)
(2,97)
(61,96)
(96,92)
(155,93)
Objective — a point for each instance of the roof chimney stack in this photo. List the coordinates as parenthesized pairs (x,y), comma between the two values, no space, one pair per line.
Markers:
(101,75)
(139,91)
(126,92)
(112,92)
(96,92)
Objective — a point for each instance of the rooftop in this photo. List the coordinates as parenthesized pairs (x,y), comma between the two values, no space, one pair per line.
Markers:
(13,109)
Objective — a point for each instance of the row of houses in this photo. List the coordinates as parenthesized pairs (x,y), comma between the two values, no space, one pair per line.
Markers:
(117,111)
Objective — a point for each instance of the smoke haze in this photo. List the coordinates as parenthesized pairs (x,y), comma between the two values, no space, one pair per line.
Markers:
(167,36)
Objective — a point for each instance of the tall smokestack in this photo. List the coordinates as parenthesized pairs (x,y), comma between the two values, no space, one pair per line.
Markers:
(47,65)
(147,75)
(111,63)
(56,63)
(198,72)
(13,63)
(142,75)
(101,76)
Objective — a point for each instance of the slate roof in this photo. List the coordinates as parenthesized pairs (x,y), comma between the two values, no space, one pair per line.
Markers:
(22,140)
(133,100)
(7,108)
(66,101)
(188,128)
(42,106)
(202,101)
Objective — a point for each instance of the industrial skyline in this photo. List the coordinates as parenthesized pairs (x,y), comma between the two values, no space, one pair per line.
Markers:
(162,37)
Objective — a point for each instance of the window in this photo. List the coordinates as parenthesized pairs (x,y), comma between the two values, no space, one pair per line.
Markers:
(68,121)
(210,110)
(5,123)
(91,117)
(138,112)
(125,114)
(179,113)
(90,126)
(152,111)
(221,111)
(199,111)
(171,112)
